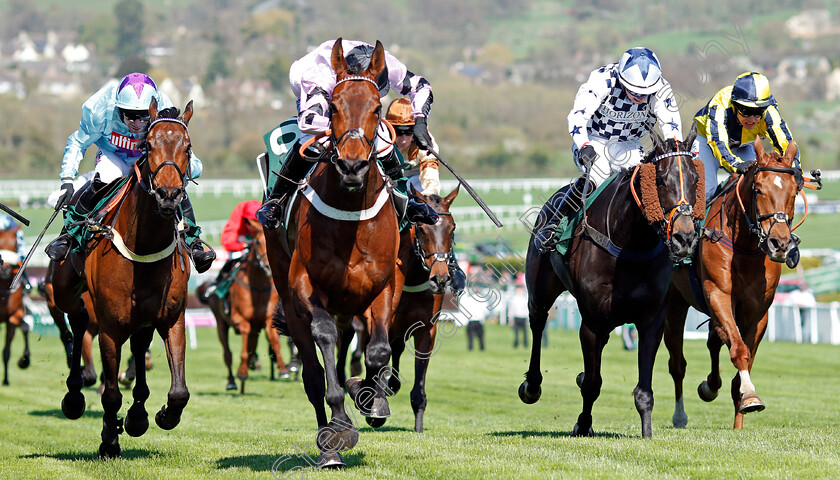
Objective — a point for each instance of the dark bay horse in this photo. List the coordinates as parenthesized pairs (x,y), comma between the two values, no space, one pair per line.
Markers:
(253,301)
(424,253)
(619,270)
(137,272)
(748,236)
(11,301)
(343,238)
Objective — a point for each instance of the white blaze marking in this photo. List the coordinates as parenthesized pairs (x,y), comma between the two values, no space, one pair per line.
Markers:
(778,182)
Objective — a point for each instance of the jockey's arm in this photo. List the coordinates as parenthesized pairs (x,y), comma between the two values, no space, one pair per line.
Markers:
(667,113)
(778,131)
(589,97)
(90,130)
(314,109)
(718,138)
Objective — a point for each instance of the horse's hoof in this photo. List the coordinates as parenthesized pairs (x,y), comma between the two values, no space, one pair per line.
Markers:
(231,386)
(124,379)
(379,409)
(579,380)
(706,394)
(163,421)
(679,420)
(23,363)
(73,405)
(576,432)
(284,374)
(333,438)
(751,404)
(242,375)
(137,421)
(331,460)
(88,381)
(109,451)
(376,422)
(527,396)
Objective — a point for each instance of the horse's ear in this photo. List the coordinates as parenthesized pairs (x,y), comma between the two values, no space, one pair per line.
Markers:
(339,63)
(377,60)
(449,198)
(153,110)
(759,147)
(411,188)
(791,150)
(692,135)
(188,111)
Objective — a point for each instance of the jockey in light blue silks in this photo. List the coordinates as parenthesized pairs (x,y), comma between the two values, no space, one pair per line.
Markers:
(116,119)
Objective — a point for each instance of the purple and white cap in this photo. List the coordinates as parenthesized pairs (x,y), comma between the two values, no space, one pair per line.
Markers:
(135,92)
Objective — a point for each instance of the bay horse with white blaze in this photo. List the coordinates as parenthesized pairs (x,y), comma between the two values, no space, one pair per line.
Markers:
(253,301)
(748,236)
(343,237)
(425,252)
(137,273)
(11,301)
(618,266)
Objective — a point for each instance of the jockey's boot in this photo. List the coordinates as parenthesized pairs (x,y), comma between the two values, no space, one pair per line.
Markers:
(415,212)
(59,248)
(571,203)
(290,176)
(457,277)
(201,253)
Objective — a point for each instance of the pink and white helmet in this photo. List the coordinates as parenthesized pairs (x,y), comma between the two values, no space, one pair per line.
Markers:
(135,92)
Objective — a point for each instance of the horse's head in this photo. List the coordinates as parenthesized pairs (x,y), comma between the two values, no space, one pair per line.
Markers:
(672,192)
(257,247)
(355,112)
(8,253)
(775,183)
(168,151)
(433,243)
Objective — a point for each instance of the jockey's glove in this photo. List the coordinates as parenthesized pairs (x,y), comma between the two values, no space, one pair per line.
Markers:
(421,134)
(741,167)
(587,156)
(67,194)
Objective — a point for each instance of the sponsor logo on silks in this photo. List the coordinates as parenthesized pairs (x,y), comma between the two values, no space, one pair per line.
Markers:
(124,143)
(632,116)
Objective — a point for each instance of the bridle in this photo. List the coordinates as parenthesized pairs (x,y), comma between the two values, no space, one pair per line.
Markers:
(355,133)
(260,259)
(184,175)
(682,207)
(443,257)
(755,223)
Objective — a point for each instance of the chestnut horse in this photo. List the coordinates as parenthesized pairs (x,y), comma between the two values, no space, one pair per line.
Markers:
(253,301)
(619,270)
(137,272)
(343,238)
(11,301)
(748,236)
(425,252)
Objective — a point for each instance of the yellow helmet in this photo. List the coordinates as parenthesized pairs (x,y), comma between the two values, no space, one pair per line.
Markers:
(399,112)
(752,89)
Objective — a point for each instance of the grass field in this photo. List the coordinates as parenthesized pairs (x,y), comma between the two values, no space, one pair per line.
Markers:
(476,427)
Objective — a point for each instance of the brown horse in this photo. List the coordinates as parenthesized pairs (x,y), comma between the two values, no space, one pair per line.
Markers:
(137,272)
(253,301)
(618,266)
(748,235)
(343,238)
(11,301)
(424,254)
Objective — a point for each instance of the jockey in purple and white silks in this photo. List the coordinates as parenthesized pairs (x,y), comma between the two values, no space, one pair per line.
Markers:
(116,120)
(312,80)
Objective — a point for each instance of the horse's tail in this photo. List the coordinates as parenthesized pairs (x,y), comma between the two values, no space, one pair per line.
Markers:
(201,293)
(279,321)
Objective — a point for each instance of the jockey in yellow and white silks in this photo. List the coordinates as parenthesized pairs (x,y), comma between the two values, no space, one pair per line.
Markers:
(116,120)
(729,124)
(312,80)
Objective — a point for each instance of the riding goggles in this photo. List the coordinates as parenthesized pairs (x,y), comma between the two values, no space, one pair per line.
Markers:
(133,115)
(634,94)
(404,130)
(749,111)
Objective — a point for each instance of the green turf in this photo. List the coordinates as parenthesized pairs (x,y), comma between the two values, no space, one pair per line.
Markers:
(476,427)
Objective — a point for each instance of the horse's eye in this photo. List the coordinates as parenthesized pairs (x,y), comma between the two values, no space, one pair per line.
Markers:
(378,110)
(333,109)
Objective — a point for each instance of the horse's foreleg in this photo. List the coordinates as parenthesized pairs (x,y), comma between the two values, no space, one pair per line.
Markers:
(137,419)
(708,389)
(223,331)
(345,337)
(274,344)
(86,341)
(7,351)
(743,393)
(23,361)
(590,379)
(245,332)
(175,342)
(676,310)
(73,404)
(112,426)
(424,345)
(371,398)
(649,337)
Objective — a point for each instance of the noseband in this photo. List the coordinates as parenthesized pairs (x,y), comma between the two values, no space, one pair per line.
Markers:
(355,133)
(150,189)
(443,257)
(669,213)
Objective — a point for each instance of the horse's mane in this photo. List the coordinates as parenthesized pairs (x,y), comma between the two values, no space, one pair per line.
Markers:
(650,197)
(171,112)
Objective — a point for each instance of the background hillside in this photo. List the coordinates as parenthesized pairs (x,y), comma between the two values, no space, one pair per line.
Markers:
(504,72)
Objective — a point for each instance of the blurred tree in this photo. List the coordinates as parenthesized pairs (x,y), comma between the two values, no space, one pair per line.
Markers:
(100,32)
(21,15)
(218,66)
(129,15)
(131,65)
(277,72)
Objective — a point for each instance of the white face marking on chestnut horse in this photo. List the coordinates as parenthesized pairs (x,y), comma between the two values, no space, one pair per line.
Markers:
(778,182)
(356,133)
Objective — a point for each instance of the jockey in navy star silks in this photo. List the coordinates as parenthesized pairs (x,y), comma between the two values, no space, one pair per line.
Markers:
(116,120)
(729,124)
(313,80)
(619,105)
